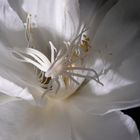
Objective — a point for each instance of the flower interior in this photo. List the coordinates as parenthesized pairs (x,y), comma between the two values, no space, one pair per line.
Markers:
(64,72)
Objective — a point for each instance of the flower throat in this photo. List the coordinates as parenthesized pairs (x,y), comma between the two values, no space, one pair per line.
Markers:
(66,67)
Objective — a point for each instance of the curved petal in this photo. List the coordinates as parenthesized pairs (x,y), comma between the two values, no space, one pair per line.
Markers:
(23,121)
(52,20)
(17,6)
(6,99)
(11,27)
(112,126)
(11,91)
(63,20)
(116,53)
(91,101)
(17,72)
(12,35)
(92,12)
(55,20)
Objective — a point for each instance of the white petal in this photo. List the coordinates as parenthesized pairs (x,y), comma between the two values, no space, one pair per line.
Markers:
(15,71)
(6,99)
(56,20)
(63,20)
(11,27)
(23,121)
(113,126)
(93,12)
(16,5)
(87,99)
(12,90)
(116,52)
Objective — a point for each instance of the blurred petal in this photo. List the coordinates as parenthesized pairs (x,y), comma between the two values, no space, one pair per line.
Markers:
(112,126)
(12,90)
(6,99)
(12,35)
(11,27)
(19,7)
(92,12)
(23,121)
(15,71)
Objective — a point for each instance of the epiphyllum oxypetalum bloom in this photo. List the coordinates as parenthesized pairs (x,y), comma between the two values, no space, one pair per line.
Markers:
(63,68)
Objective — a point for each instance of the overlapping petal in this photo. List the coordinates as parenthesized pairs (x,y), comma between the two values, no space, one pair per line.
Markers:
(116,57)
(57,121)
(11,27)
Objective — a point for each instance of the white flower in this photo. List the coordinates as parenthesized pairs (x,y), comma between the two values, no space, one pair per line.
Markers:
(67,68)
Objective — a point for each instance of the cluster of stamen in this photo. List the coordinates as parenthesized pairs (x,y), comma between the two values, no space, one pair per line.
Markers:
(65,64)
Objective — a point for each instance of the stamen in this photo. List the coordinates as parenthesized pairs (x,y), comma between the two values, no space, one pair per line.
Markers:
(38,59)
(28,27)
(48,88)
(66,81)
(53,49)
(80,35)
(63,65)
(84,69)
(74,80)
(84,76)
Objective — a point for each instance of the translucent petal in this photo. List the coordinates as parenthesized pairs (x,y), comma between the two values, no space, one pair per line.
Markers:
(112,126)
(23,121)
(62,24)
(92,12)
(11,27)
(116,53)
(63,20)
(16,5)
(34,123)
(11,35)
(15,71)
(6,99)
(87,99)
(12,91)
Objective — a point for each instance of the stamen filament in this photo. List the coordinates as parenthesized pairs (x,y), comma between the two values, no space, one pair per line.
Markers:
(53,49)
(84,76)
(39,60)
(74,80)
(85,69)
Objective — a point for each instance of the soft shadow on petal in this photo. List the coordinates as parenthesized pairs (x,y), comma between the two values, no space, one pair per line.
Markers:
(117,52)
(6,99)
(16,5)
(63,20)
(113,126)
(23,121)
(20,120)
(87,100)
(9,91)
(17,72)
(11,27)
(92,12)
(117,38)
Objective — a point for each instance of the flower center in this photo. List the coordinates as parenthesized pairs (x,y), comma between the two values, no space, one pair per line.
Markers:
(65,70)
